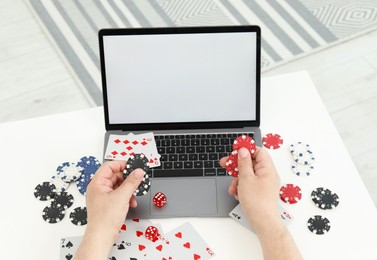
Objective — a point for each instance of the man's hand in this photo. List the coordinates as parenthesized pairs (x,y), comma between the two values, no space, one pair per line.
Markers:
(108,199)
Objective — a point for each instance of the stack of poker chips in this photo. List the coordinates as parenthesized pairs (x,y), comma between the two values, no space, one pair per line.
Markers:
(303,159)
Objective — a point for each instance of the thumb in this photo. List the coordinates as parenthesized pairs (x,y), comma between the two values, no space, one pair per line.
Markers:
(131,183)
(245,164)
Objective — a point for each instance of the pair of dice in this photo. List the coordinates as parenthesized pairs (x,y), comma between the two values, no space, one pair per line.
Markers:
(159,199)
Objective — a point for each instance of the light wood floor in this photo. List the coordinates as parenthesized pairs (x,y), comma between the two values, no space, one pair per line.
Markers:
(34,82)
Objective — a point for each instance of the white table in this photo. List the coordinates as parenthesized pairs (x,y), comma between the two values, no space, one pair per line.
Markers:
(31,150)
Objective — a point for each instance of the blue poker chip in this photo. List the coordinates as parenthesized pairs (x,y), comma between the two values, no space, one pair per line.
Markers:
(90,165)
(83,182)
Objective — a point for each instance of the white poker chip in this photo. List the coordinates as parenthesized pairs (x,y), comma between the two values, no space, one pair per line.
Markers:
(302,169)
(302,153)
(69,172)
(59,183)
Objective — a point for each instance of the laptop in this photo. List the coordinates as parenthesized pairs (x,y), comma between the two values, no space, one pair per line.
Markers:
(196,89)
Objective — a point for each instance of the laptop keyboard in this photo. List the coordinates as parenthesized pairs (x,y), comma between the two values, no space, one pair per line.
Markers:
(193,154)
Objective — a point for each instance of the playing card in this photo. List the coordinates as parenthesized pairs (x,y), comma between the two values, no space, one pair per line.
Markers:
(132,243)
(68,247)
(121,147)
(186,243)
(238,215)
(161,249)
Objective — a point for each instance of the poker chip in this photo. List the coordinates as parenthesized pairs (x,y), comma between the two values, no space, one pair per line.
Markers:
(302,153)
(325,198)
(231,165)
(90,164)
(59,183)
(62,199)
(69,172)
(134,162)
(79,216)
(246,142)
(143,187)
(53,214)
(319,225)
(272,141)
(302,169)
(290,193)
(45,191)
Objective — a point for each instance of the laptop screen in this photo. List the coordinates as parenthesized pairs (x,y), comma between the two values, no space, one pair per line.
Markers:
(181,77)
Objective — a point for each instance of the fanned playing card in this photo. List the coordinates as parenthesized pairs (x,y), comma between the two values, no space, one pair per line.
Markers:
(121,147)
(238,215)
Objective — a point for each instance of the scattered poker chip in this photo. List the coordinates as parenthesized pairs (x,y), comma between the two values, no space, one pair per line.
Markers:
(79,216)
(302,169)
(246,142)
(319,225)
(314,194)
(231,165)
(325,198)
(53,214)
(272,141)
(59,183)
(134,162)
(69,172)
(290,193)
(302,153)
(45,191)
(62,199)
(83,182)
(90,164)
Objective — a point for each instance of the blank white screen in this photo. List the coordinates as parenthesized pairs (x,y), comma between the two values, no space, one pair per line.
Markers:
(181,77)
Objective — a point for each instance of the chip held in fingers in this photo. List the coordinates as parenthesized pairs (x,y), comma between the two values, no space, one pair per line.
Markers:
(245,141)
(134,162)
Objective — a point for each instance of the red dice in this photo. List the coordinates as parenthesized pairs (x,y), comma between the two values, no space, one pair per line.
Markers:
(151,233)
(159,199)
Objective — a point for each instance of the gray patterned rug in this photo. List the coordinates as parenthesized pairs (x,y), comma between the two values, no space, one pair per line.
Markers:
(290,29)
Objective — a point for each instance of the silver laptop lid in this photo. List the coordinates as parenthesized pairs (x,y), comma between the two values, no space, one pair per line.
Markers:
(174,78)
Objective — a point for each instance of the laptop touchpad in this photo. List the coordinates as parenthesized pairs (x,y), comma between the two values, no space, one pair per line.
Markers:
(185,197)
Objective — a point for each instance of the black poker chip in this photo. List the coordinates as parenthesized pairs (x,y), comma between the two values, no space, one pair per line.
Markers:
(53,214)
(325,198)
(134,162)
(45,191)
(62,199)
(319,225)
(79,216)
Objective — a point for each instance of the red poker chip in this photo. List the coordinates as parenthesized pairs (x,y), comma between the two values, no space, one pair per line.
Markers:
(246,142)
(272,141)
(231,165)
(290,193)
